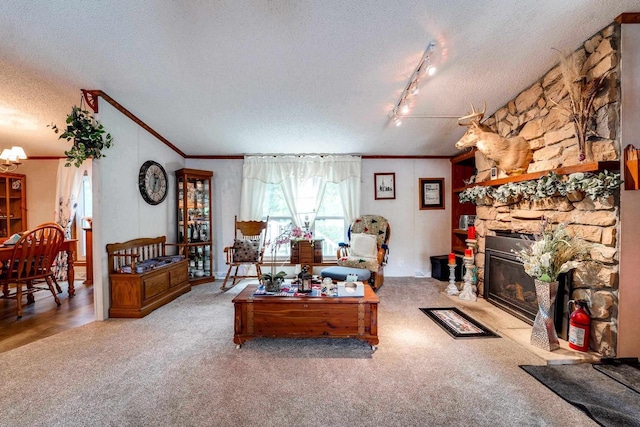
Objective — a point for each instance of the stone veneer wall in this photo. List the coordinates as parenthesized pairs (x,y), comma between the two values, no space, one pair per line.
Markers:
(541,115)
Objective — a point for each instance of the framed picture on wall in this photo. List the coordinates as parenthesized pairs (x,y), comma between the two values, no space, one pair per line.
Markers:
(431,193)
(385,185)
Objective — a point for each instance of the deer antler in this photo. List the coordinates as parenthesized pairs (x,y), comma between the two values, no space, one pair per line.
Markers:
(474,118)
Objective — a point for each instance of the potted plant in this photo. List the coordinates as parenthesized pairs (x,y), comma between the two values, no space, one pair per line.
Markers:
(272,282)
(87,134)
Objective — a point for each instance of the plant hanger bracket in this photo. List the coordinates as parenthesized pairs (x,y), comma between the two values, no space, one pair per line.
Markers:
(91,98)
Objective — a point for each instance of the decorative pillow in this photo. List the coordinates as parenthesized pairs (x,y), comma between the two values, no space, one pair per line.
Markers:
(364,245)
(246,251)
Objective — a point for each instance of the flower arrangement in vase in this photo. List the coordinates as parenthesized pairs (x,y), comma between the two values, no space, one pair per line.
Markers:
(553,252)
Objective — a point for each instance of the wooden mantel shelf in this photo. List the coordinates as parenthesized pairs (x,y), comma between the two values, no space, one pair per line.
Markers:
(592,167)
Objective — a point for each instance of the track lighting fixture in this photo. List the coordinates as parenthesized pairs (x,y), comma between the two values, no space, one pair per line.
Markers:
(413,87)
(393,116)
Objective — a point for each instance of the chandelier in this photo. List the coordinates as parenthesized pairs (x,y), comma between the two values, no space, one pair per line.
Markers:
(11,157)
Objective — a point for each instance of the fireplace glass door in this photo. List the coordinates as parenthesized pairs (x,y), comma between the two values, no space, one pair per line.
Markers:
(510,287)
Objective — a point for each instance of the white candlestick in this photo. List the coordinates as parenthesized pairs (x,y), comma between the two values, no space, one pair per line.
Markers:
(452,289)
(467,293)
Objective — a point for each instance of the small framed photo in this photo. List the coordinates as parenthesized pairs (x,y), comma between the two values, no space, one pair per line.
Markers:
(494,172)
(431,193)
(385,185)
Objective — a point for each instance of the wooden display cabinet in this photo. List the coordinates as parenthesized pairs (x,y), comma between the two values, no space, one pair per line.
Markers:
(463,166)
(194,222)
(13,205)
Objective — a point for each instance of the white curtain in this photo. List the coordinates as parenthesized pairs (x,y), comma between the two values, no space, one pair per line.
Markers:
(350,196)
(303,180)
(69,183)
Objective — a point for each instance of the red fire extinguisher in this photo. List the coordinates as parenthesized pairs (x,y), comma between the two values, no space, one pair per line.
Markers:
(579,326)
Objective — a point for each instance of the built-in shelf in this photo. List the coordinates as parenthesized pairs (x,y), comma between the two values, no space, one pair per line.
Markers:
(463,166)
(458,248)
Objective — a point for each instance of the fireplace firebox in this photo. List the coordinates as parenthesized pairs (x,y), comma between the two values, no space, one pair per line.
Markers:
(507,286)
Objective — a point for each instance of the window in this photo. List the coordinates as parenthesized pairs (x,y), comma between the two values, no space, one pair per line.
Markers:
(84,210)
(330,223)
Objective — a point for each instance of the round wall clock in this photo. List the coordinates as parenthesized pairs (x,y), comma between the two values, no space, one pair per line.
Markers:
(152,181)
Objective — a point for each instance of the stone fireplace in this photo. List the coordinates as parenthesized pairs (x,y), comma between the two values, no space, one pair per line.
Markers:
(539,115)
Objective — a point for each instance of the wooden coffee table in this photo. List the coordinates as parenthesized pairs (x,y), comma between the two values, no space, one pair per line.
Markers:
(305,317)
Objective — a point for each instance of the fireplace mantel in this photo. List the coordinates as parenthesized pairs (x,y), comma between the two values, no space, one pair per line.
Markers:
(593,167)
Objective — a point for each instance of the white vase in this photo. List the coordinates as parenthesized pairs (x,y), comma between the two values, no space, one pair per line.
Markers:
(544,334)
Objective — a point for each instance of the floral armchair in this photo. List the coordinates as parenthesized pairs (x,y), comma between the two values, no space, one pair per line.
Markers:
(368,247)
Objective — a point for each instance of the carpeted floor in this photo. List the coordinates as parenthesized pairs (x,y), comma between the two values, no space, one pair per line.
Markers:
(178,366)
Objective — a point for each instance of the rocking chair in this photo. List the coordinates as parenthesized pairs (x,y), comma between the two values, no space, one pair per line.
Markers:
(247,249)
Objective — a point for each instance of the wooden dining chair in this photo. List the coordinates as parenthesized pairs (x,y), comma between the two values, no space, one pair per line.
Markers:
(31,260)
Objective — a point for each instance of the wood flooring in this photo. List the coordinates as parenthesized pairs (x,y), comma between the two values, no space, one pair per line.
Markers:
(44,318)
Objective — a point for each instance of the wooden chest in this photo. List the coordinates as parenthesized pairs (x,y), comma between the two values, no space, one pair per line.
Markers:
(303,252)
(308,317)
(136,295)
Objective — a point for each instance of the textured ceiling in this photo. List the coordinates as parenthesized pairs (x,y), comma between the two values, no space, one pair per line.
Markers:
(236,77)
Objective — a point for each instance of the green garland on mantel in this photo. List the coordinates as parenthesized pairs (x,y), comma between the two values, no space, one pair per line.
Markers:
(602,184)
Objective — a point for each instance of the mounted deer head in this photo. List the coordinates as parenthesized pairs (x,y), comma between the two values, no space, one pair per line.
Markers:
(474,118)
(512,155)
(472,121)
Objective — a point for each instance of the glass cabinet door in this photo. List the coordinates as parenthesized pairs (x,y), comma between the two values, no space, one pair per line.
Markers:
(13,209)
(194,222)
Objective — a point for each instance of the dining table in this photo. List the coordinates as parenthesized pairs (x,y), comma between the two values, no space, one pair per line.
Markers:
(70,246)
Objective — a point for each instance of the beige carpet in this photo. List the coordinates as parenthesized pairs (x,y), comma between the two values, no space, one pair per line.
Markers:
(179,367)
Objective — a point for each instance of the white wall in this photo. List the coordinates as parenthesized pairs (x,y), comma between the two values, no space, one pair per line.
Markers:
(415,235)
(41,190)
(225,203)
(120,213)
(629,292)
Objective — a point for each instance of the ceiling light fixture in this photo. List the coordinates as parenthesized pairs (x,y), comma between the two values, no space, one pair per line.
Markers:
(11,157)
(413,87)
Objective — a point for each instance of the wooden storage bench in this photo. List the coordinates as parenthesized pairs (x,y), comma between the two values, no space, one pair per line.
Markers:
(142,277)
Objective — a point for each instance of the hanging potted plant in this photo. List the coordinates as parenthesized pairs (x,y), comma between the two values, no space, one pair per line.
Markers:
(87,134)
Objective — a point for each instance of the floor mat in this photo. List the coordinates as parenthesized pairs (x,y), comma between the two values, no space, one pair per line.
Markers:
(625,371)
(605,400)
(457,323)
